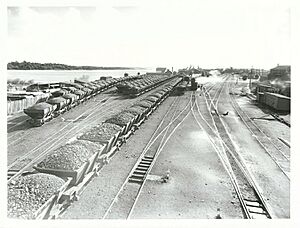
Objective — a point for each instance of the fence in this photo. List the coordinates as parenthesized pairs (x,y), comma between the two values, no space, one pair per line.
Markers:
(18,105)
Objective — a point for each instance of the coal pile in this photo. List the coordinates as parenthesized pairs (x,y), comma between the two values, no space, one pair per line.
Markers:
(151,98)
(144,103)
(135,110)
(26,194)
(121,119)
(101,132)
(70,156)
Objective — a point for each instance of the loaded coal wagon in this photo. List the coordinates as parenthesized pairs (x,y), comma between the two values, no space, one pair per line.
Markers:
(72,100)
(59,93)
(60,105)
(40,113)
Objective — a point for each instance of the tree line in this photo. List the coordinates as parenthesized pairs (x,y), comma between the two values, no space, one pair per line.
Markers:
(56,66)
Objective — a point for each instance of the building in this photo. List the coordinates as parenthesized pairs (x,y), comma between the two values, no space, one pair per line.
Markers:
(161,70)
(282,72)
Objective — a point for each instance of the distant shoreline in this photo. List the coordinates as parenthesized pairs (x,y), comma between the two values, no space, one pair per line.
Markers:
(57,66)
(129,68)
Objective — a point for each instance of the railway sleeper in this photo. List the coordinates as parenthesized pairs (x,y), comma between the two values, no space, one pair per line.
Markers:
(134,180)
(140,172)
(143,166)
(141,169)
(256,209)
(147,159)
(145,163)
(137,176)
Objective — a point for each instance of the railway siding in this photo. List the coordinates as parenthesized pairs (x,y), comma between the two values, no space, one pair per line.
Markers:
(197,187)
(99,194)
(173,166)
(270,179)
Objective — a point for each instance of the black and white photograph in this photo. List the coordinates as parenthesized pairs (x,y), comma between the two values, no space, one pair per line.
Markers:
(149,111)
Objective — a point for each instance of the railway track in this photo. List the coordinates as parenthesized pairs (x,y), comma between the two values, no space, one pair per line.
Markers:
(19,135)
(252,202)
(212,102)
(264,140)
(18,123)
(91,110)
(25,162)
(85,115)
(136,179)
(281,163)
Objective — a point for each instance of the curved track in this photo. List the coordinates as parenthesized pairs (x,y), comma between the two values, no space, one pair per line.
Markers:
(281,161)
(251,200)
(264,140)
(153,148)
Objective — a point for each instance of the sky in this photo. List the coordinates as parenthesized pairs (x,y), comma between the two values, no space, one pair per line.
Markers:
(177,33)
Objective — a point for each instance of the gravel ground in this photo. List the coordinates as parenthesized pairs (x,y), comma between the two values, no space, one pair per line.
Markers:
(274,185)
(121,207)
(206,194)
(244,186)
(198,186)
(273,128)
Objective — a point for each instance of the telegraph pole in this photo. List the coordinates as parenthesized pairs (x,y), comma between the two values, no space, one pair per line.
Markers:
(251,74)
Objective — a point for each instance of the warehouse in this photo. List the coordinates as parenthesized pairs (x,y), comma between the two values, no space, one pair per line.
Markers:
(282,72)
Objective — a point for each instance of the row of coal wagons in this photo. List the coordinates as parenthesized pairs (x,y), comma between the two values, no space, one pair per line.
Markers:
(62,174)
(137,87)
(58,179)
(68,96)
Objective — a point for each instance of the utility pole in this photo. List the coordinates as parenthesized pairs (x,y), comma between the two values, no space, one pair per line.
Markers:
(251,75)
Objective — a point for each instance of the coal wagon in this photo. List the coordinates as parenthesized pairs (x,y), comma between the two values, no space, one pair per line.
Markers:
(60,105)
(40,113)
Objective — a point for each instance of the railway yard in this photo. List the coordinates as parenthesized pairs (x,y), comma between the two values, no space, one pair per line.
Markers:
(202,153)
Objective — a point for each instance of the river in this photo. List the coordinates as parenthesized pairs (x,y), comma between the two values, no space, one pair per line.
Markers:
(44,76)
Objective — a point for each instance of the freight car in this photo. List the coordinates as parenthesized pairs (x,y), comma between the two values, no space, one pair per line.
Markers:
(60,104)
(181,88)
(277,101)
(88,85)
(40,113)
(72,100)
(67,95)
(59,93)
(194,84)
